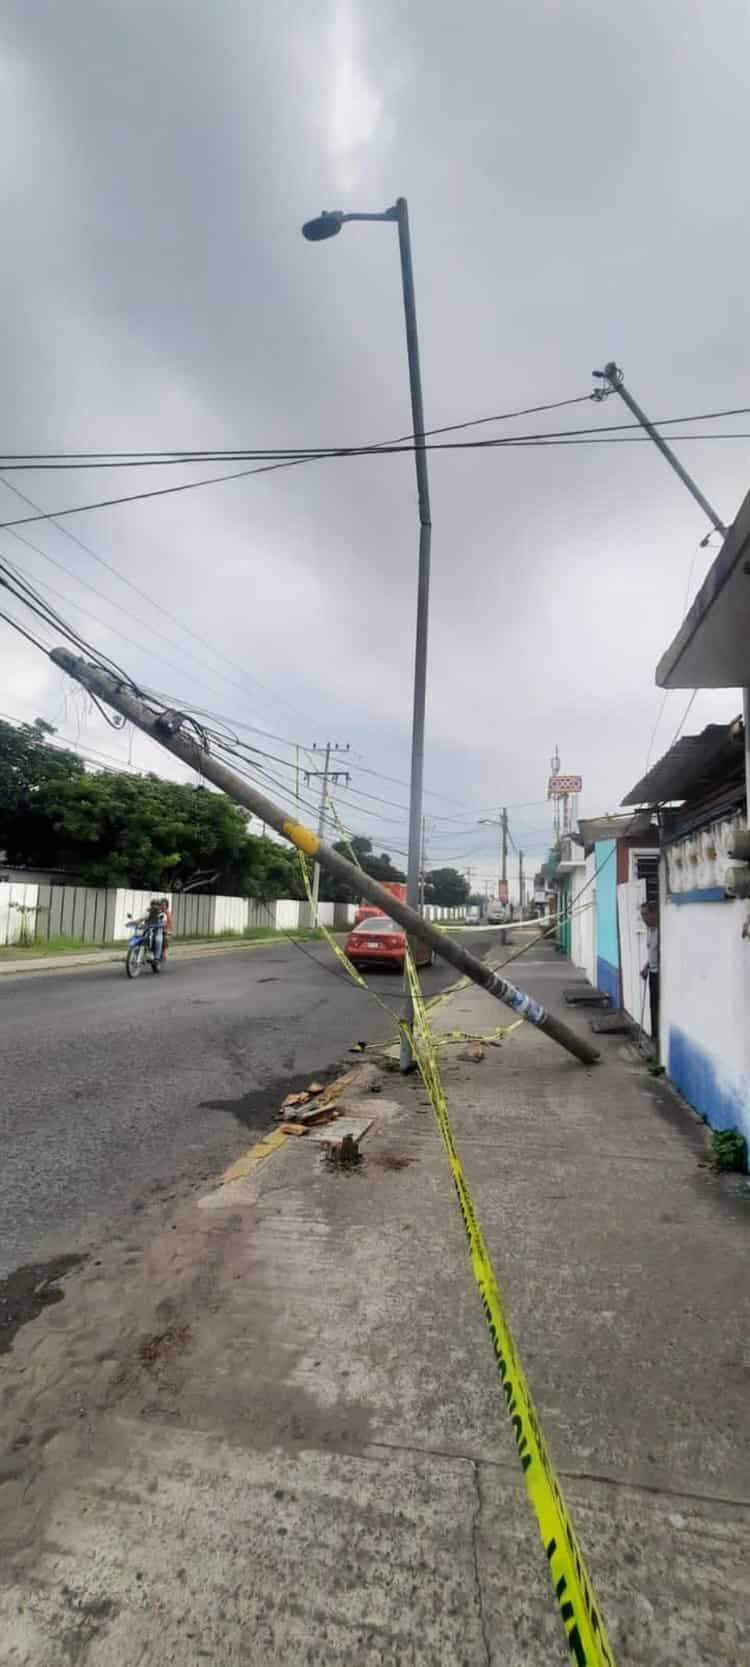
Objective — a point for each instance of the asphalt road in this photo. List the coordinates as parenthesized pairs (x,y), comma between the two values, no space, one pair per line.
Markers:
(116,1093)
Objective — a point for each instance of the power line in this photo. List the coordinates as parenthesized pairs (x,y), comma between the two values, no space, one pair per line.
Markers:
(186,453)
(231,454)
(124,580)
(24,633)
(285,461)
(682,721)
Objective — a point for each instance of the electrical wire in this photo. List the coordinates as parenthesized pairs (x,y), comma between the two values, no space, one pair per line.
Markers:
(163,612)
(562,437)
(682,721)
(23,632)
(166,458)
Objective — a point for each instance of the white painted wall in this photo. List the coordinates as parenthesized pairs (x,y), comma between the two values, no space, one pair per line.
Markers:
(702,859)
(705,1005)
(577,872)
(586,923)
(230,914)
(14,898)
(287,913)
(633,951)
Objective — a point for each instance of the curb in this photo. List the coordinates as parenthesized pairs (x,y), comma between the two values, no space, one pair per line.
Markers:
(96,957)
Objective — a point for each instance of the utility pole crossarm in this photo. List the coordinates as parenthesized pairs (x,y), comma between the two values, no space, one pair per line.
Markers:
(168,729)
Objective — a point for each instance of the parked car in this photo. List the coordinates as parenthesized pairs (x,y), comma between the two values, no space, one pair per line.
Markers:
(380,941)
(397,888)
(365,911)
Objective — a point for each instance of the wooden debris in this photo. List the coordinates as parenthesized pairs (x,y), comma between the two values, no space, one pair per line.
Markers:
(293,1128)
(315,1088)
(316,1114)
(296,1099)
(334,1089)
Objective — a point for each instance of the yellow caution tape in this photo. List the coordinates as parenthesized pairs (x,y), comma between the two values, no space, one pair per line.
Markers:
(493,1038)
(584,1628)
(585,1631)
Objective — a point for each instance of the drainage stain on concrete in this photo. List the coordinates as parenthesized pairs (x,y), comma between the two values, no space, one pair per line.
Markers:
(26,1291)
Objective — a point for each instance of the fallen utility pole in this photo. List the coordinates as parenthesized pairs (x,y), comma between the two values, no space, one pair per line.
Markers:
(169,729)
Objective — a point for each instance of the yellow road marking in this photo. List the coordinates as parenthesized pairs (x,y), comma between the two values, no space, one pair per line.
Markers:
(253,1157)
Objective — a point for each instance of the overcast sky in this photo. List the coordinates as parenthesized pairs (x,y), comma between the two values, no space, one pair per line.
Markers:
(577,191)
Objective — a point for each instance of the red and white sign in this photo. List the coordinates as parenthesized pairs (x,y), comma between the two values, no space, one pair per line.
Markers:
(560,787)
(502,891)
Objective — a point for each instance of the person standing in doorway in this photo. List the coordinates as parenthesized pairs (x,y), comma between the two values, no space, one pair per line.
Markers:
(650,968)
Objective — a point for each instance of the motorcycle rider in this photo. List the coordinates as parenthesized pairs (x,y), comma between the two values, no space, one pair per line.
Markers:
(157,919)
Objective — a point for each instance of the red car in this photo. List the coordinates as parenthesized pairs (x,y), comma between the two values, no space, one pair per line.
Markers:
(380,941)
(364,911)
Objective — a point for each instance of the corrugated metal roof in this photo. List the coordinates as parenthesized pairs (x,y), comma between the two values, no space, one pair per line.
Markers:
(594,828)
(690,765)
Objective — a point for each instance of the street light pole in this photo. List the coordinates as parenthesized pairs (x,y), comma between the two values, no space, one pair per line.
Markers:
(327,225)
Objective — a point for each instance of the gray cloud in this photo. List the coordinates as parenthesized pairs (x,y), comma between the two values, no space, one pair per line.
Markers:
(574,176)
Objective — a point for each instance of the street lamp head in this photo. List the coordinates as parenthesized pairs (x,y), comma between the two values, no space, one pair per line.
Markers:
(328,224)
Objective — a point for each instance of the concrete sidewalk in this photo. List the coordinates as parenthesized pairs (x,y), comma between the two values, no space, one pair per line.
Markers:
(270,1431)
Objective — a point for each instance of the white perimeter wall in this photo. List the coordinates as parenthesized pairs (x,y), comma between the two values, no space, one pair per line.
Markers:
(230,914)
(131,905)
(586,928)
(705,1006)
(14,899)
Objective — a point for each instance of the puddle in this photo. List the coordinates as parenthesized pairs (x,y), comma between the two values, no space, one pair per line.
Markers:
(24,1293)
(257,1109)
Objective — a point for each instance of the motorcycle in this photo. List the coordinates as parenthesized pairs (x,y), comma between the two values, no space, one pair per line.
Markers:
(145,947)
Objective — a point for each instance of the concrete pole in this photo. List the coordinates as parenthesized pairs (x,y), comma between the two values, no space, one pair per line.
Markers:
(321,827)
(168,728)
(613,375)
(423,596)
(422,866)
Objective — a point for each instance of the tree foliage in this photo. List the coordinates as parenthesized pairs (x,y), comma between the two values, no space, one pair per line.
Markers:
(30,774)
(360,850)
(111,828)
(446,887)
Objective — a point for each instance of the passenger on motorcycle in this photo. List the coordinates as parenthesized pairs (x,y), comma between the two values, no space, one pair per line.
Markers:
(167,926)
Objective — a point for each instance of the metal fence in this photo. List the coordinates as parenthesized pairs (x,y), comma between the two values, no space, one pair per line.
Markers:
(75,911)
(38,912)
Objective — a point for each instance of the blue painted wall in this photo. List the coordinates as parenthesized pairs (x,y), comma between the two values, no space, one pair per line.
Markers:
(725,1104)
(607,940)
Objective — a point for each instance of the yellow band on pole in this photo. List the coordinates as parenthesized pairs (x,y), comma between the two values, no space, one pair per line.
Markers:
(304,838)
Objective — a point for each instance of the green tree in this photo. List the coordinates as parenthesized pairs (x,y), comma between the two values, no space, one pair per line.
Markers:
(117,829)
(446,887)
(30,772)
(111,828)
(360,850)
